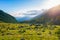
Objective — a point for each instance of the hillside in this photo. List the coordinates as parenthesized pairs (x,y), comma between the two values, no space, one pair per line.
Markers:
(4,17)
(51,16)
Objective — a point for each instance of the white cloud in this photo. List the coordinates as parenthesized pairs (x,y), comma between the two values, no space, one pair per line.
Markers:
(22,15)
(31,13)
(17,14)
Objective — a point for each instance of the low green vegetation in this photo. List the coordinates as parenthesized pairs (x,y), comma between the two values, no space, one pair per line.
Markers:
(23,31)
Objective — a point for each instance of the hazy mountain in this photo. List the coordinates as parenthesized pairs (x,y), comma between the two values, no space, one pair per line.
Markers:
(51,16)
(21,19)
(4,17)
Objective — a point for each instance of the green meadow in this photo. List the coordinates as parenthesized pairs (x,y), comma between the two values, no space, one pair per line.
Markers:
(23,31)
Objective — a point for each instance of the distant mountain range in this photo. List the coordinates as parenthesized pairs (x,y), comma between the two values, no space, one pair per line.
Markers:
(4,17)
(21,19)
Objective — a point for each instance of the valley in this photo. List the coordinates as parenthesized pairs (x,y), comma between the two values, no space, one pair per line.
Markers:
(32,25)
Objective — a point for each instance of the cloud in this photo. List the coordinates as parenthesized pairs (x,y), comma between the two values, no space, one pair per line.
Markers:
(22,15)
(31,13)
(17,14)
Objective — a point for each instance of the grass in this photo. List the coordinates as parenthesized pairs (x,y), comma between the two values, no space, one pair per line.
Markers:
(10,31)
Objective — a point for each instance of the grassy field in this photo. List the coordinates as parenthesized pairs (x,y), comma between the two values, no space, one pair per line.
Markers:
(10,31)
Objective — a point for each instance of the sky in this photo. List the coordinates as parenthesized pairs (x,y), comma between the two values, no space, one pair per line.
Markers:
(17,8)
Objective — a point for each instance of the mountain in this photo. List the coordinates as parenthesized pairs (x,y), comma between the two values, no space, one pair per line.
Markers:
(51,16)
(4,17)
(21,19)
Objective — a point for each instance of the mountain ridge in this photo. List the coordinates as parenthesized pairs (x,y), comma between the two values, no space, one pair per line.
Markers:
(51,16)
(4,17)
